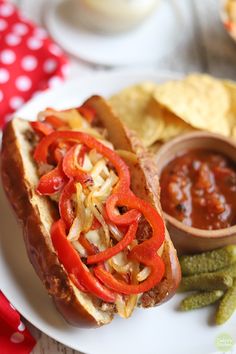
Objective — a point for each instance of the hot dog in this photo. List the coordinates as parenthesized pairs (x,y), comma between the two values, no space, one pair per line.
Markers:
(87,195)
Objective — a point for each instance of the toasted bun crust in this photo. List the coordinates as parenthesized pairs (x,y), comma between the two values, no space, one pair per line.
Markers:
(36,214)
(145,184)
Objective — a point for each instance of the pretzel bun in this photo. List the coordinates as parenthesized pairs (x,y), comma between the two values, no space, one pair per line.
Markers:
(37,213)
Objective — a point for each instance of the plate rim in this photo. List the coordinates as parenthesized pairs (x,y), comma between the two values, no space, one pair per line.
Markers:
(114,73)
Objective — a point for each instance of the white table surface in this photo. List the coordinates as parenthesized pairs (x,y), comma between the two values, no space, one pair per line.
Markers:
(207,48)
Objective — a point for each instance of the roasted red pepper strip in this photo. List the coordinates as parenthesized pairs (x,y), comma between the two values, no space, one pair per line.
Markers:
(157,271)
(41,153)
(65,203)
(52,182)
(87,112)
(55,122)
(145,208)
(112,251)
(77,283)
(42,129)
(58,151)
(145,253)
(122,228)
(73,264)
(123,219)
(90,248)
(95,224)
(73,162)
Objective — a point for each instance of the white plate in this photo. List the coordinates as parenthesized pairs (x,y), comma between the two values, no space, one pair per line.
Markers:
(161,330)
(155,38)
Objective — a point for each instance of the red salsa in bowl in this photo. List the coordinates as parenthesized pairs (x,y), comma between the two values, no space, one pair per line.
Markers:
(198,188)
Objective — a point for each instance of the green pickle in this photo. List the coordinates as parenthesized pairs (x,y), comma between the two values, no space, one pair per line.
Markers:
(230,270)
(227,305)
(200,299)
(206,282)
(210,261)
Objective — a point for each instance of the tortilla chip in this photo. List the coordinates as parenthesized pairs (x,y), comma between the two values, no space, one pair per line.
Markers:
(200,100)
(131,106)
(172,125)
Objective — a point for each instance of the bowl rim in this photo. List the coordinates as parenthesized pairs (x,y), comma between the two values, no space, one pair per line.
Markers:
(194,231)
(224,17)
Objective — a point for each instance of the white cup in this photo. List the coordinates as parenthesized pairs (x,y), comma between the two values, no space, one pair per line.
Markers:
(111,16)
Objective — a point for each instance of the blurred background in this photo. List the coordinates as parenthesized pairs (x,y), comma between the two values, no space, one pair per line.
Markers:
(179,35)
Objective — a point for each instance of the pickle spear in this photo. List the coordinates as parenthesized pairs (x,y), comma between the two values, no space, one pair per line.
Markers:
(206,282)
(200,299)
(227,305)
(208,261)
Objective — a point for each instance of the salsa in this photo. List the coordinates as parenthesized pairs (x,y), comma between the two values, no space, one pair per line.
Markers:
(199,189)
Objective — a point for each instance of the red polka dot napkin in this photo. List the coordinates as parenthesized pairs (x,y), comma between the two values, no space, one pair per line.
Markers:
(29,60)
(14,336)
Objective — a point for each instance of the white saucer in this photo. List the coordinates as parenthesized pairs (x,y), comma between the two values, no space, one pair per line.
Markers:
(147,43)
